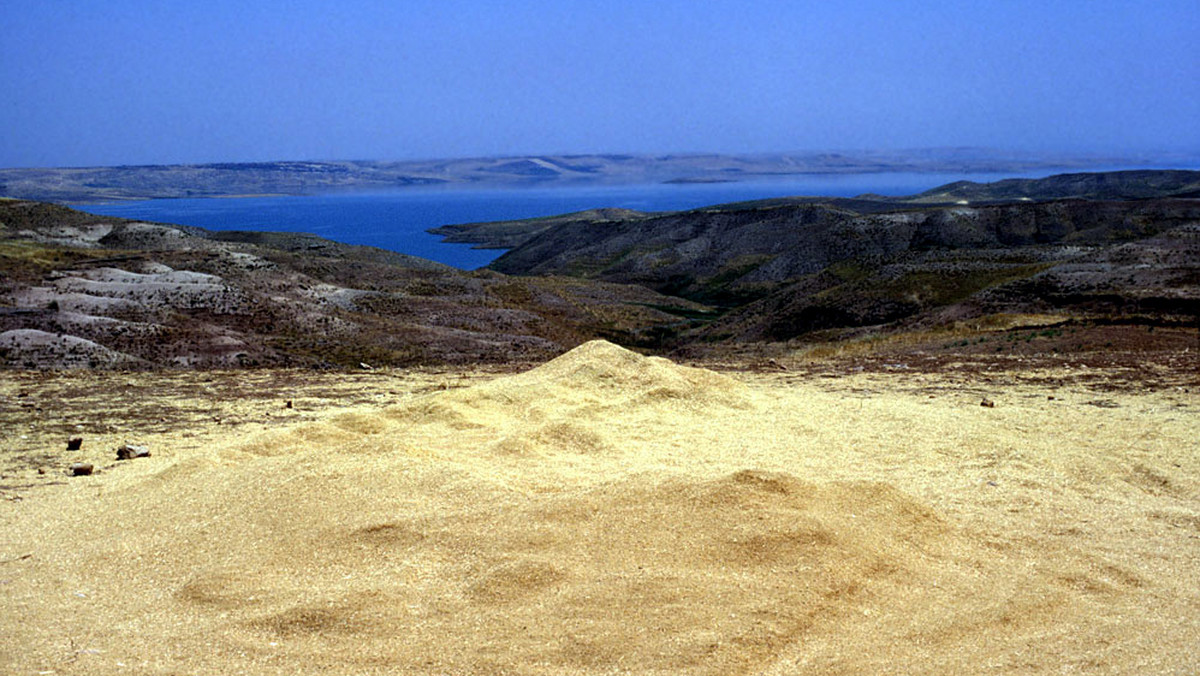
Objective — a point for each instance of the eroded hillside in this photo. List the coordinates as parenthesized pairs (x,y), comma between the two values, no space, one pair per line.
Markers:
(789,267)
(83,290)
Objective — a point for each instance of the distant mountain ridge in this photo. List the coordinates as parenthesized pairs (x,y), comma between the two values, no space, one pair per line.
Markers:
(92,184)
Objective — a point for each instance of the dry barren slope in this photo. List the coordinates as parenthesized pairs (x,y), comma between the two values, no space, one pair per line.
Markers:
(78,290)
(610,513)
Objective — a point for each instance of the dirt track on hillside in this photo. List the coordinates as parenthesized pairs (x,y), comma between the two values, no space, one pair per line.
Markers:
(603,513)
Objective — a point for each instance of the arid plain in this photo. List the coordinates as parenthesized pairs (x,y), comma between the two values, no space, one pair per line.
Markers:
(609,513)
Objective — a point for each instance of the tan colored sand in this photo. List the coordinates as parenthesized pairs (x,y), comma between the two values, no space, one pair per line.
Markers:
(608,513)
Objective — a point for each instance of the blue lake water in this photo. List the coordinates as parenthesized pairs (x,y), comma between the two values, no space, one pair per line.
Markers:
(397,220)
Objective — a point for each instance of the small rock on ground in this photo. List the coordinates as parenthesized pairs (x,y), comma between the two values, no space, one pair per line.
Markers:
(129,452)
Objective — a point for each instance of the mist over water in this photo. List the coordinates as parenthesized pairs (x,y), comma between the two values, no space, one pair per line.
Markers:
(398,220)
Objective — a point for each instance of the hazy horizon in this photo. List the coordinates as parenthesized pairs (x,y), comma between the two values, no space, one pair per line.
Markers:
(1066,161)
(134,82)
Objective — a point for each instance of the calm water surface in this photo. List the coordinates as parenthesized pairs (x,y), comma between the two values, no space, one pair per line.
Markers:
(397,220)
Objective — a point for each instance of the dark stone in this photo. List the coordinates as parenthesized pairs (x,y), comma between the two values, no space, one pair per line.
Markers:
(74,443)
(129,452)
(81,469)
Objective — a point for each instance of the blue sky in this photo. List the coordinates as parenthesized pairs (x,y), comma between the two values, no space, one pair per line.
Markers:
(136,82)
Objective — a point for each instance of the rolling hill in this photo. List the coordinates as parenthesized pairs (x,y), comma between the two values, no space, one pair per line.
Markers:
(92,291)
(1121,242)
(85,290)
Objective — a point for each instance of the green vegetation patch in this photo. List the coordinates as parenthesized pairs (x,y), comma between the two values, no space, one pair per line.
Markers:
(933,288)
(28,261)
(721,288)
(581,267)
(513,293)
(850,271)
(311,349)
(705,315)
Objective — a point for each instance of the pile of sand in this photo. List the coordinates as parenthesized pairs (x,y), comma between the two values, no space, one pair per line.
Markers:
(604,513)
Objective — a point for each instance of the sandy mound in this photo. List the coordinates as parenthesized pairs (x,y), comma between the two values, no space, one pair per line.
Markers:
(596,398)
(604,513)
(602,375)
